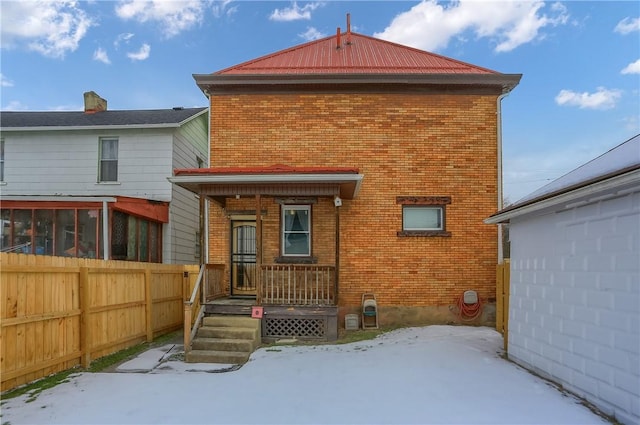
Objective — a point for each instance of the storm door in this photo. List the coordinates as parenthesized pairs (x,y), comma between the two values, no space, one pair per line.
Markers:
(243,258)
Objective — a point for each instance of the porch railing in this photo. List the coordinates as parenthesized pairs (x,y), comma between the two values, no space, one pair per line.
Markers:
(298,284)
(209,281)
(214,277)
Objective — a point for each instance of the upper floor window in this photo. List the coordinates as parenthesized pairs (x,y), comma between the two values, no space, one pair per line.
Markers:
(423,215)
(108,171)
(1,160)
(296,230)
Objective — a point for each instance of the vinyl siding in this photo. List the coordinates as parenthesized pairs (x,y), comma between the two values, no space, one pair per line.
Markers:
(189,143)
(66,163)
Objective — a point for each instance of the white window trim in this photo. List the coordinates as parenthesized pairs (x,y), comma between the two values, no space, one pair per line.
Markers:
(438,208)
(284,209)
(101,159)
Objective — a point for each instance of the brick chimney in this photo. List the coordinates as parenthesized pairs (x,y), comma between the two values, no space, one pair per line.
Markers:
(94,103)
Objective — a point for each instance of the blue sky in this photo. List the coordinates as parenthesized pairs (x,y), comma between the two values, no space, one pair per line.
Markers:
(580,60)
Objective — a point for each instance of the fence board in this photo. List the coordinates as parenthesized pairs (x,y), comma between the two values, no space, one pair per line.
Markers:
(57,313)
(502,300)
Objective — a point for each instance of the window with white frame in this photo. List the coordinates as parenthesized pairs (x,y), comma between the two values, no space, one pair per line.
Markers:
(296,230)
(108,167)
(421,218)
(423,215)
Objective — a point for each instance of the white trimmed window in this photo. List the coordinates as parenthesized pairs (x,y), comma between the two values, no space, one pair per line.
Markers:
(424,215)
(108,167)
(296,230)
(421,218)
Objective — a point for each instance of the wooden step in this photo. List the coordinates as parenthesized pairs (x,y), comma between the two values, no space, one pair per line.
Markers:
(225,339)
(226,332)
(210,356)
(220,344)
(231,321)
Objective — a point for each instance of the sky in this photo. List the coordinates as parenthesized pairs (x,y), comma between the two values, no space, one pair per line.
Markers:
(579,95)
(425,375)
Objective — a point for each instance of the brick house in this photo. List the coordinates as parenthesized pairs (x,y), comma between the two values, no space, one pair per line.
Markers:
(372,165)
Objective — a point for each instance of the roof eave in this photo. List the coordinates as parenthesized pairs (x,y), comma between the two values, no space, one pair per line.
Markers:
(93,127)
(193,182)
(210,83)
(614,185)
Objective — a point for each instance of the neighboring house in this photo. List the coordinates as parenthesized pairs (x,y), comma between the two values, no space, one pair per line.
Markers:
(575,281)
(352,165)
(93,183)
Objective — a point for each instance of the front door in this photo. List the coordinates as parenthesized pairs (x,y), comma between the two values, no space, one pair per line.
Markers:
(243,258)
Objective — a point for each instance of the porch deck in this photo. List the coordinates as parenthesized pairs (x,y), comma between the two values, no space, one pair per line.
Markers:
(282,321)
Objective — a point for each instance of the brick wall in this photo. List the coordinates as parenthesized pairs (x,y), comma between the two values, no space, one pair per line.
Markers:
(404,145)
(575,301)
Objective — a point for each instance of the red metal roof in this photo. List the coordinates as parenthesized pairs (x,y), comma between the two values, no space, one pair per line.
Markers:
(357,54)
(271,169)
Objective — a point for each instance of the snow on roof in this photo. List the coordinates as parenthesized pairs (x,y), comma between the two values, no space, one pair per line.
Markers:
(623,157)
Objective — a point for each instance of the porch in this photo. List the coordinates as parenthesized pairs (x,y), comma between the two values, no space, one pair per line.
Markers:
(274,236)
(298,301)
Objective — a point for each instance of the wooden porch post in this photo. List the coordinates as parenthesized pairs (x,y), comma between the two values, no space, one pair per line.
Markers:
(337,268)
(202,205)
(258,249)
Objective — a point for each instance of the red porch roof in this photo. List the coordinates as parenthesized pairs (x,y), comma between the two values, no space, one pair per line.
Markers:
(270,169)
(274,180)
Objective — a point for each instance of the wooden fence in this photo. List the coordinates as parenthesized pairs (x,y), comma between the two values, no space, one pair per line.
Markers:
(57,312)
(502,300)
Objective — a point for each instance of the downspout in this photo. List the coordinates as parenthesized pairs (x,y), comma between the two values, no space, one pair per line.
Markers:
(500,191)
(105,230)
(205,230)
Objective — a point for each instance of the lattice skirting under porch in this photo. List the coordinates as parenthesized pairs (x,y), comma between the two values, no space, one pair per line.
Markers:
(305,323)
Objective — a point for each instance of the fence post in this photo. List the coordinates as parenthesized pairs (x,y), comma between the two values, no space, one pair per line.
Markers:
(187,327)
(85,328)
(500,298)
(148,303)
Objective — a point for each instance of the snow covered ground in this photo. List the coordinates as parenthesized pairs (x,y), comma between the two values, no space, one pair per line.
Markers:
(428,375)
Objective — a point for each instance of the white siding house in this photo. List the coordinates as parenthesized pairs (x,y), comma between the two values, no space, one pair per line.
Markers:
(575,281)
(67,174)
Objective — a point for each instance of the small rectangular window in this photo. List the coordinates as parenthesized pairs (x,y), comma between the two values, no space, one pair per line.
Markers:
(296,230)
(421,218)
(108,171)
(424,215)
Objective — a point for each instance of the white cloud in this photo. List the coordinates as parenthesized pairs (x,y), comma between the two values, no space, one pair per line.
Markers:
(311,34)
(220,7)
(632,68)
(430,25)
(100,55)
(173,16)
(294,13)
(141,54)
(5,82)
(122,38)
(631,123)
(51,28)
(601,99)
(628,25)
(15,105)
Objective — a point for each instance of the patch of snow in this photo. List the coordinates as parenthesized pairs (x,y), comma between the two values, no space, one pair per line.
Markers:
(425,375)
